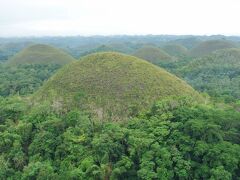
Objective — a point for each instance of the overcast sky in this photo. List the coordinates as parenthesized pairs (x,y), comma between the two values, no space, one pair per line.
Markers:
(109,17)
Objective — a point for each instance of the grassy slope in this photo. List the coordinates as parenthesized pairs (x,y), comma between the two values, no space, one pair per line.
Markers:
(153,54)
(176,50)
(189,43)
(111,85)
(101,48)
(112,47)
(40,54)
(207,47)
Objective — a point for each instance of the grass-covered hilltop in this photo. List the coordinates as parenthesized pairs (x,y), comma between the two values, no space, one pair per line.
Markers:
(111,85)
(154,55)
(40,54)
(176,50)
(126,48)
(206,47)
(25,72)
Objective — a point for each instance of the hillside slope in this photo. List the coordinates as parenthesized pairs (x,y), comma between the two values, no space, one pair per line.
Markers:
(154,55)
(40,54)
(111,85)
(176,50)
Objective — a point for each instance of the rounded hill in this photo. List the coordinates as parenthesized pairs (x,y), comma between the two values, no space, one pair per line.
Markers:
(176,50)
(154,55)
(40,54)
(207,47)
(111,86)
(126,48)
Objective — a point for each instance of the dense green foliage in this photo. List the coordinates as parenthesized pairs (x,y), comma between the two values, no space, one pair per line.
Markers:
(24,79)
(111,85)
(175,140)
(218,74)
(40,54)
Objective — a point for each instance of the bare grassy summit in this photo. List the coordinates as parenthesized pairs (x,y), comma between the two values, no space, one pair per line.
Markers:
(111,85)
(154,55)
(40,54)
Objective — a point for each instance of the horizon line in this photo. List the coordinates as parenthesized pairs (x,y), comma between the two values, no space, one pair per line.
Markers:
(112,35)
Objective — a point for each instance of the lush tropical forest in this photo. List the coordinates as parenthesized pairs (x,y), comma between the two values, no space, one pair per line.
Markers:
(120,107)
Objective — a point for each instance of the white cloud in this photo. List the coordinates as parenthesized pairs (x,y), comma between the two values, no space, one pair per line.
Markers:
(88,17)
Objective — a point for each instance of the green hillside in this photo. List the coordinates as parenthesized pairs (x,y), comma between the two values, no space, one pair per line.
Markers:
(101,48)
(111,85)
(127,48)
(154,55)
(40,54)
(189,43)
(217,74)
(207,47)
(7,50)
(176,50)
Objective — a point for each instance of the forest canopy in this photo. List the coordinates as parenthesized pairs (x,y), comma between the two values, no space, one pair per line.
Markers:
(177,139)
